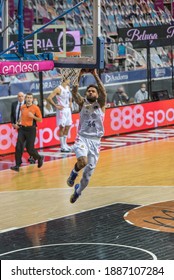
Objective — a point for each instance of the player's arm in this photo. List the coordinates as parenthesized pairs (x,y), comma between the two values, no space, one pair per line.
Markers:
(103,95)
(75,94)
(50,97)
(70,103)
(70,99)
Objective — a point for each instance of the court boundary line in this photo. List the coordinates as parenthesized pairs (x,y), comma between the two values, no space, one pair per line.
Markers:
(69,188)
(154,257)
(81,211)
(61,217)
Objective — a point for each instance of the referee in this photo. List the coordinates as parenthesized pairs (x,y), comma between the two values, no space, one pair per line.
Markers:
(30,114)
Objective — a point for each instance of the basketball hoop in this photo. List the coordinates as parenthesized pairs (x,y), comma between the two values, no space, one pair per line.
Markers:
(70,73)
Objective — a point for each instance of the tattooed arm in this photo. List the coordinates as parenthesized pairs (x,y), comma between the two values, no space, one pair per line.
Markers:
(103,95)
(76,96)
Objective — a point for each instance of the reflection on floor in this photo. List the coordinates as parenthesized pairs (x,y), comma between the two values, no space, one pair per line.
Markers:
(99,234)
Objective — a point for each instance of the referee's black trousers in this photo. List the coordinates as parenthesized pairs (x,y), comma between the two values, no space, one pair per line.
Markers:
(28,135)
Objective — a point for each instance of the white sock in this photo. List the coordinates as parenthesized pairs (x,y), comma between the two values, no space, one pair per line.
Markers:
(61,141)
(78,191)
(65,144)
(65,139)
(75,171)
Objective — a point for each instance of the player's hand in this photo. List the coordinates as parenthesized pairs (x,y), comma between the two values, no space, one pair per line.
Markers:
(59,107)
(94,72)
(86,70)
(82,72)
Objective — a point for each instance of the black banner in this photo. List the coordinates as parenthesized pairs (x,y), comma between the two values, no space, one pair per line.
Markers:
(49,42)
(150,35)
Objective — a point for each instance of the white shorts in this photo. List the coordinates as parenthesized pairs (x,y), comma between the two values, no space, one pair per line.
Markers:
(64,117)
(87,147)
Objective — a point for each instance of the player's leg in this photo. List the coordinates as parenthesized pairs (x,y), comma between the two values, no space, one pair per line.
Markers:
(61,121)
(80,164)
(65,135)
(81,152)
(68,123)
(87,173)
(93,155)
(61,137)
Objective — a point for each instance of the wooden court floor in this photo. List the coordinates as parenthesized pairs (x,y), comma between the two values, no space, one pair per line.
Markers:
(130,194)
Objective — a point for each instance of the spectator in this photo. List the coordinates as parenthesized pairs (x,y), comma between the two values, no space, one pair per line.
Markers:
(121,48)
(6,79)
(48,109)
(15,110)
(129,47)
(14,79)
(36,102)
(120,97)
(141,95)
(1,80)
(115,65)
(22,77)
(121,54)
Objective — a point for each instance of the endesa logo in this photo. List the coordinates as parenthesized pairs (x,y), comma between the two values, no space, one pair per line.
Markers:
(141,116)
(15,67)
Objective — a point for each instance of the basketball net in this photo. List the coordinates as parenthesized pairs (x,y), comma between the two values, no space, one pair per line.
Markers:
(70,73)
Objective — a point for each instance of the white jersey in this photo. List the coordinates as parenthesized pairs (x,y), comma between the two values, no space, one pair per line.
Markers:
(91,120)
(64,96)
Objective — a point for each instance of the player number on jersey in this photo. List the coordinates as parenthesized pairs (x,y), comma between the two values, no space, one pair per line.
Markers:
(91,123)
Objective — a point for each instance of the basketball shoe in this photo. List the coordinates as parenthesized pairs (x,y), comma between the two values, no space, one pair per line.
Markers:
(75,195)
(71,179)
(65,149)
(68,148)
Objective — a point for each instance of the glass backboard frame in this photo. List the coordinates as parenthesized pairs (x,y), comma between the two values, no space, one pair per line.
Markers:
(97,58)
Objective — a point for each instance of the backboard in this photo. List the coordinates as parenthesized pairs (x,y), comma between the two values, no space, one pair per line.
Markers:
(79,43)
(85,50)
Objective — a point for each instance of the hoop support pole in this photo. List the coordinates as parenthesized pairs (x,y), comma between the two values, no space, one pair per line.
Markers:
(38,30)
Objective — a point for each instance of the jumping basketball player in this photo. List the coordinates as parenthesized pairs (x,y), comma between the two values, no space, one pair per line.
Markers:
(63,111)
(87,144)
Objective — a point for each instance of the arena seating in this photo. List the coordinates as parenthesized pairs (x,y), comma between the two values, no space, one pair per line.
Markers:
(125,13)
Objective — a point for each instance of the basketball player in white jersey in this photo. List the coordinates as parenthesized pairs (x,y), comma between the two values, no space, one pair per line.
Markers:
(90,131)
(63,111)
